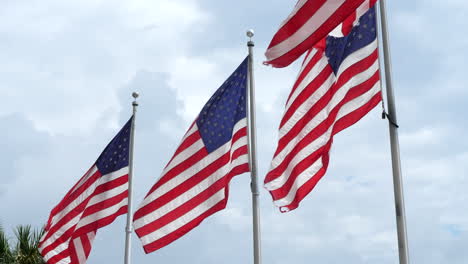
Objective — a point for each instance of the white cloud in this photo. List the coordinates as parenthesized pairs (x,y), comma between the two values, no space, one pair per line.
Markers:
(68,68)
(83,52)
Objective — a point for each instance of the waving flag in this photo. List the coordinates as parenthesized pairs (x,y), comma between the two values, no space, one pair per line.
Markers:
(194,184)
(308,23)
(339,83)
(95,201)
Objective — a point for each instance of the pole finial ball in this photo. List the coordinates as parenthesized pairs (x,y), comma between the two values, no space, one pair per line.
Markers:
(135,95)
(250,33)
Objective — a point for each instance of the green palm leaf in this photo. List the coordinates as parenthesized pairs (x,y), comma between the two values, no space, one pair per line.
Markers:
(6,256)
(26,249)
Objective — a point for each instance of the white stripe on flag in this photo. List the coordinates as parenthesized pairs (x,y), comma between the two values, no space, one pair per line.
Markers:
(188,195)
(325,11)
(189,172)
(186,218)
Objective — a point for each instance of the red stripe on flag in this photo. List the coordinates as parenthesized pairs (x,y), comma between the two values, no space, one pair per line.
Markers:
(313,135)
(189,162)
(291,52)
(295,171)
(101,222)
(71,196)
(205,167)
(183,187)
(183,230)
(315,59)
(173,215)
(308,91)
(189,141)
(300,18)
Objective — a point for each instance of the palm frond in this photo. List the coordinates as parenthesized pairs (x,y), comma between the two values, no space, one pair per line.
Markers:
(26,249)
(6,256)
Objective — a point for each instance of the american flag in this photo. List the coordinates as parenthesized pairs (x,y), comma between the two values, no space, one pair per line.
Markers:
(95,201)
(194,184)
(309,22)
(339,83)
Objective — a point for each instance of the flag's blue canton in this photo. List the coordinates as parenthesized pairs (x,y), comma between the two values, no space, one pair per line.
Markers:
(115,155)
(225,108)
(361,35)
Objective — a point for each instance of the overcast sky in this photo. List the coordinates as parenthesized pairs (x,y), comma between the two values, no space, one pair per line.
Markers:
(67,70)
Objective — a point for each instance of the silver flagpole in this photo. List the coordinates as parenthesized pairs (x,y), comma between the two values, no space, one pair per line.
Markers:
(252,153)
(128,228)
(394,143)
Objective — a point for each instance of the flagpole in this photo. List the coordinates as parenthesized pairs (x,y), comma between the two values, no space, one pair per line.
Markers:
(252,153)
(394,143)
(128,228)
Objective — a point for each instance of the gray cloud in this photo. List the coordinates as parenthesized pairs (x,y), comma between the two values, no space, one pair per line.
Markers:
(21,141)
(68,71)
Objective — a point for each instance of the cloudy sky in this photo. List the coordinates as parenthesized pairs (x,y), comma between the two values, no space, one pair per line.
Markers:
(67,72)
